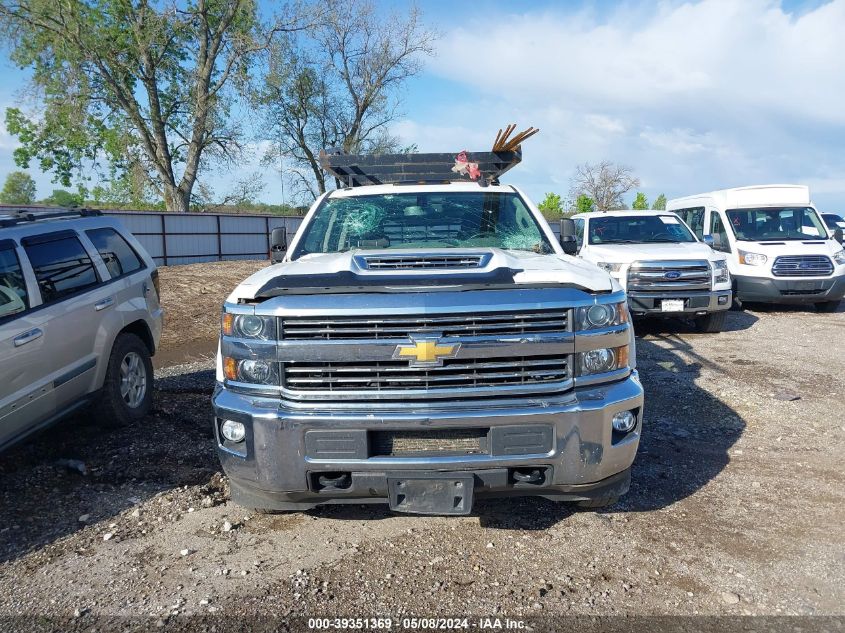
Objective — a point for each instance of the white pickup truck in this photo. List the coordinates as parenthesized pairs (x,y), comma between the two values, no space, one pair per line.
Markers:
(424,341)
(661,265)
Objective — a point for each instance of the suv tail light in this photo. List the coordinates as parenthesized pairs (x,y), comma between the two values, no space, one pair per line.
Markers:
(156,284)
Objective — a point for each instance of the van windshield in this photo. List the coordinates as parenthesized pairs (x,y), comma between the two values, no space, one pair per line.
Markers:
(638,229)
(776,224)
(423,220)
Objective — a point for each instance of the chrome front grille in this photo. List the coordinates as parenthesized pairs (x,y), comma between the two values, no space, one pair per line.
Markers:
(397,377)
(669,276)
(802,266)
(498,324)
(424,262)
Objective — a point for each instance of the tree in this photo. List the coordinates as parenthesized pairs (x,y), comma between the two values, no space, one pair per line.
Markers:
(584,204)
(640,202)
(605,183)
(18,189)
(552,205)
(659,203)
(134,82)
(62,198)
(337,85)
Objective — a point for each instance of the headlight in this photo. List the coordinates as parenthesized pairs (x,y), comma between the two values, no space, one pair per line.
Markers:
(610,267)
(601,315)
(249,326)
(603,360)
(720,272)
(839,256)
(257,372)
(752,259)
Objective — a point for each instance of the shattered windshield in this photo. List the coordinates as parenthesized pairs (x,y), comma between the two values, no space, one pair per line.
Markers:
(423,220)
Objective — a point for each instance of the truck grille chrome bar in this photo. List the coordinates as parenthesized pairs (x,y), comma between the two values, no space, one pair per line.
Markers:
(802,266)
(501,324)
(322,379)
(669,276)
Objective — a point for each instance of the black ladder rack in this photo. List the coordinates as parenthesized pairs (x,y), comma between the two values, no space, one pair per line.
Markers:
(356,170)
(24,216)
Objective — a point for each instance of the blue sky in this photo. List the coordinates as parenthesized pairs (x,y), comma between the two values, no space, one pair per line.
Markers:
(693,96)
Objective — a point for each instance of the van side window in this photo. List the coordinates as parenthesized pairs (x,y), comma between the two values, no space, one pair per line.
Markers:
(694,218)
(61,264)
(579,231)
(720,235)
(13,296)
(117,255)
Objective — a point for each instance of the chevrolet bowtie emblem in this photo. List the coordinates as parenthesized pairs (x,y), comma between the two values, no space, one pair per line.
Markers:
(426,352)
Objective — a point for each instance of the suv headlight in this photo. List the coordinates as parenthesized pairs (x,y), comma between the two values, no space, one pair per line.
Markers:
(609,267)
(752,259)
(249,326)
(839,256)
(601,361)
(601,315)
(720,272)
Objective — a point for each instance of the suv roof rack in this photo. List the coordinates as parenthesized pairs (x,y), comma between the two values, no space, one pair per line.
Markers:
(356,170)
(24,216)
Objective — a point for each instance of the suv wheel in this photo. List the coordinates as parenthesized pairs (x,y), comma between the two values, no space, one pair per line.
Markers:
(711,323)
(127,390)
(827,306)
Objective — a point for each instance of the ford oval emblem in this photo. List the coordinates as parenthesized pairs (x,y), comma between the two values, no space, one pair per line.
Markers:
(672,274)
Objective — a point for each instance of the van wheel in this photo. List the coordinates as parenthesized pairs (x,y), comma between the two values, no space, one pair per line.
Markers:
(827,306)
(592,504)
(711,323)
(127,391)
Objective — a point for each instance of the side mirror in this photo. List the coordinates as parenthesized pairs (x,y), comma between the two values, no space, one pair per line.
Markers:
(708,239)
(278,244)
(837,235)
(568,239)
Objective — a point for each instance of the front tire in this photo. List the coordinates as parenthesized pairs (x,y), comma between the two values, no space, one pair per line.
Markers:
(827,306)
(711,323)
(127,391)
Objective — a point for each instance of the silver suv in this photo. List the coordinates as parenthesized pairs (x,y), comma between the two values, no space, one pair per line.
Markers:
(80,319)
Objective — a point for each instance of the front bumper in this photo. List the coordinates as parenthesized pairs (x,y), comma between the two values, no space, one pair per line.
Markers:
(695,302)
(769,290)
(569,438)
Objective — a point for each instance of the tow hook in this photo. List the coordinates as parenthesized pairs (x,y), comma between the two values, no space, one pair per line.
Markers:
(334,481)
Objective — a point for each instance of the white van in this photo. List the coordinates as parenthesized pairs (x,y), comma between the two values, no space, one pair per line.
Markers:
(663,268)
(779,249)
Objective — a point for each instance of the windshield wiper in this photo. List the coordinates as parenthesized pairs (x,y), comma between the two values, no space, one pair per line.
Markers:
(620,242)
(664,241)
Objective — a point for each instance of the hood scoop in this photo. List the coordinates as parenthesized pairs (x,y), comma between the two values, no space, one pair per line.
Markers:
(423,261)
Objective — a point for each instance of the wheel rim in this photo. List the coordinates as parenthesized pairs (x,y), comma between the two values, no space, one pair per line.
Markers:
(133,380)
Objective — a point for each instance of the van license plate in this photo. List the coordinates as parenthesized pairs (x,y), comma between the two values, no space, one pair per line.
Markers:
(436,494)
(672,305)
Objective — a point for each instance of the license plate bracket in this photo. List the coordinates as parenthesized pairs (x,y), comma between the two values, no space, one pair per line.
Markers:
(431,493)
(672,305)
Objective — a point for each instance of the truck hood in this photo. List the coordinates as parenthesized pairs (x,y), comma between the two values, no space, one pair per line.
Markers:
(334,270)
(627,253)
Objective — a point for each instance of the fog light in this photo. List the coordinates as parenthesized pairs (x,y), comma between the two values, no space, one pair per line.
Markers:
(723,300)
(624,421)
(235,431)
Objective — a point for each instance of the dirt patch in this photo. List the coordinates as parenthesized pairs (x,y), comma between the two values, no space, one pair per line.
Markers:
(193,297)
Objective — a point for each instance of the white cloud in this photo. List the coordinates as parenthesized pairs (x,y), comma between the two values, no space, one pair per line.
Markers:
(695,96)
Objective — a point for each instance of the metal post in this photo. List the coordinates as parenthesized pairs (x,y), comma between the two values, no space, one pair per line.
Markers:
(163,239)
(219,240)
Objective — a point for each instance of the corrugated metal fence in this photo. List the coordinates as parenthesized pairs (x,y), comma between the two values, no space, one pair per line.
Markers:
(189,238)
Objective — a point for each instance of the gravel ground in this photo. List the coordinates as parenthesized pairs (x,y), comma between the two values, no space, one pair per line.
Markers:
(736,508)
